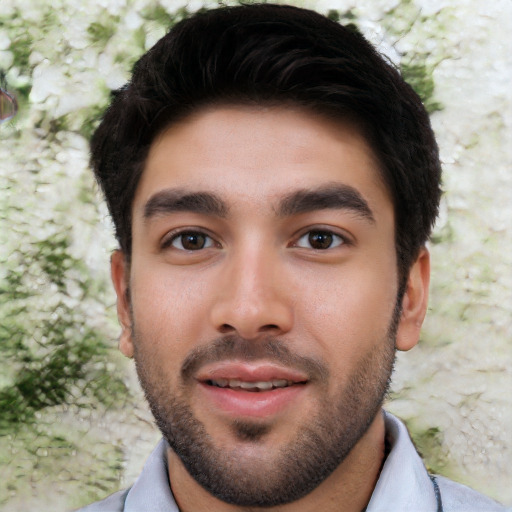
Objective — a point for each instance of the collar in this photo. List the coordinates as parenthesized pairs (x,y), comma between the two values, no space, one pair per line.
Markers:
(404,483)
(151,491)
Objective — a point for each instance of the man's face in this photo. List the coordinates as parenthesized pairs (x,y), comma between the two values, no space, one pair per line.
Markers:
(262,297)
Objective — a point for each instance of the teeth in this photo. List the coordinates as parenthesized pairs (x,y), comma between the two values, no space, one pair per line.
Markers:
(261,385)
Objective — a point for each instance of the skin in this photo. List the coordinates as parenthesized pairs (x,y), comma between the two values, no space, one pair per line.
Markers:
(258,276)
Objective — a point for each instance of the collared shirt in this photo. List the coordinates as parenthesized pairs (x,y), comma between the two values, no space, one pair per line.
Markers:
(404,485)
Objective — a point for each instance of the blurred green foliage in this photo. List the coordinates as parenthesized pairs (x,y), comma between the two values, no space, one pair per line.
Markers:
(429,444)
(419,76)
(50,356)
(102,31)
(53,361)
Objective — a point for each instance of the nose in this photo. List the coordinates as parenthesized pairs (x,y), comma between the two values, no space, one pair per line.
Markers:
(253,298)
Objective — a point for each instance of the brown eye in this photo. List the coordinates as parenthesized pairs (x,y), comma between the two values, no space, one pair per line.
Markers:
(191,241)
(320,240)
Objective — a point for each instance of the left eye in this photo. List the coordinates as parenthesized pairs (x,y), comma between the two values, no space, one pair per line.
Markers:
(320,240)
(191,241)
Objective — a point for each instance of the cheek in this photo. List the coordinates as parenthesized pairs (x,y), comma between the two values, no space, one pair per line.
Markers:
(347,310)
(166,310)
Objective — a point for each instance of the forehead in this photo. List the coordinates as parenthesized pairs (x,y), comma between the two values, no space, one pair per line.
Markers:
(252,156)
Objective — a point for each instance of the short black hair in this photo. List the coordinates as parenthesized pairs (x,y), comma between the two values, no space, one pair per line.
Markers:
(273,55)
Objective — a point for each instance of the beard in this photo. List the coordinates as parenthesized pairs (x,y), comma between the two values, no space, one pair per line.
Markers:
(284,473)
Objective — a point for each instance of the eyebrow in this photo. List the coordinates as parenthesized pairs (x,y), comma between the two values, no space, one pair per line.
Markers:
(178,200)
(334,196)
(331,196)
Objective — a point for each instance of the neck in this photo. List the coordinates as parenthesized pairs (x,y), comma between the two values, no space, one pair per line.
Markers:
(350,486)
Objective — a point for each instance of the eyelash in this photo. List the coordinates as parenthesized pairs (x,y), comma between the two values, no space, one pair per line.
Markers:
(341,239)
(175,235)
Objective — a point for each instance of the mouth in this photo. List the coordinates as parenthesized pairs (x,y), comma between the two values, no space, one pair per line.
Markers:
(250,389)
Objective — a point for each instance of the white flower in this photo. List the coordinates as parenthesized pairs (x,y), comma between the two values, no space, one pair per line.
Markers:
(5,42)
(48,81)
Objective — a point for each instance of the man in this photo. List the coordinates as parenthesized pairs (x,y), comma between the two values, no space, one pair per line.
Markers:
(273,182)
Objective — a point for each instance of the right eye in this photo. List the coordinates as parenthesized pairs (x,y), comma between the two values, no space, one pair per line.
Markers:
(190,241)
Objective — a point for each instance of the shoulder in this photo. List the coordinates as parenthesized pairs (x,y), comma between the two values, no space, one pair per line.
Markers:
(460,498)
(114,503)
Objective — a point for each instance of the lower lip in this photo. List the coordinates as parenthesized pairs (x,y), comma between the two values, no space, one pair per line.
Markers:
(254,404)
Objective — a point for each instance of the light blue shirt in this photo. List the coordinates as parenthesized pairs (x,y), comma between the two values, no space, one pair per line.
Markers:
(404,485)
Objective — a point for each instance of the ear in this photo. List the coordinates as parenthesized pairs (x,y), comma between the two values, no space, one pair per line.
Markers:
(414,302)
(119,271)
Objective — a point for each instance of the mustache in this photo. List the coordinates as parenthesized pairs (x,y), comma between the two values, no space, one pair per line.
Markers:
(234,347)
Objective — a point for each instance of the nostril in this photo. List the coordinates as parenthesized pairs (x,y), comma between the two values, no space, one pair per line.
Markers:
(226,328)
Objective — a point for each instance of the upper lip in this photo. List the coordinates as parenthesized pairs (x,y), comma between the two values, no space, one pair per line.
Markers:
(254,371)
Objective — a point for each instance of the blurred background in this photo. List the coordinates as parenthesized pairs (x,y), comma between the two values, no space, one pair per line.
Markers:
(73,423)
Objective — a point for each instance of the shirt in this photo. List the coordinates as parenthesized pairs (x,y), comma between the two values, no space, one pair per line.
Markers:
(404,485)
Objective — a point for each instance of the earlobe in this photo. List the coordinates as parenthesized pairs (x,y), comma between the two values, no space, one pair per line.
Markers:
(119,272)
(414,302)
